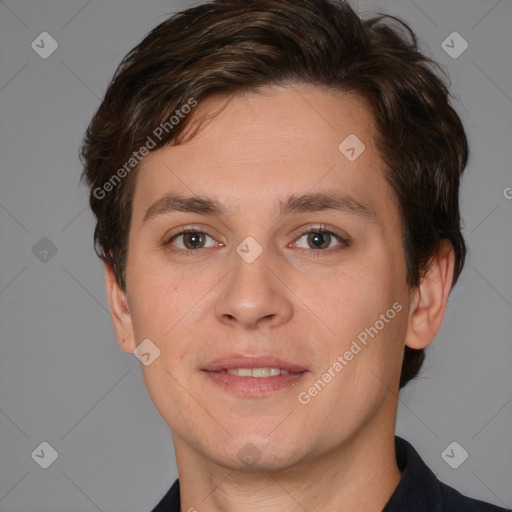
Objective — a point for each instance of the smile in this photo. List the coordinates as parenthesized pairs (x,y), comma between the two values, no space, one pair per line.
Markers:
(257,372)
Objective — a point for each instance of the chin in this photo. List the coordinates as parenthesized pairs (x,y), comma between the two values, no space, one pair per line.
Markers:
(257,454)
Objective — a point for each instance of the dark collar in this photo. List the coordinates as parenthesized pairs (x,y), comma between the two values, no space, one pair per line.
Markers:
(418,490)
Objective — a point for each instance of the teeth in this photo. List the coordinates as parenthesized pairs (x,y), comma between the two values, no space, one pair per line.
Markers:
(257,372)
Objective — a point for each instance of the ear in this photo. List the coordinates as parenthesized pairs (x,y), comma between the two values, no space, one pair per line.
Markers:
(121,317)
(429,300)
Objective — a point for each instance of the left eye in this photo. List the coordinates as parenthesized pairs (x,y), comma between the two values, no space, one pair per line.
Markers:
(320,239)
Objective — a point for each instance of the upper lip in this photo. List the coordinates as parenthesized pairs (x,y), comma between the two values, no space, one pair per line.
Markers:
(241,361)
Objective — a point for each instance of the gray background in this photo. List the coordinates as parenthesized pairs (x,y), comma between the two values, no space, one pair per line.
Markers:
(63,378)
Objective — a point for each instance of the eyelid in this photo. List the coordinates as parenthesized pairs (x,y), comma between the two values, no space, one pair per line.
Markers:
(318,228)
(188,229)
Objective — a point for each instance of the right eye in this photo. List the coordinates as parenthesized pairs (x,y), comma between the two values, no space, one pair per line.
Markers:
(191,240)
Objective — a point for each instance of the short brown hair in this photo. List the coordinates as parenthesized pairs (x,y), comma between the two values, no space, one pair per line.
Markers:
(235,46)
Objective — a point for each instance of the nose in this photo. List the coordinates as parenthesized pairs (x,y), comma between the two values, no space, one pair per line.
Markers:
(253,295)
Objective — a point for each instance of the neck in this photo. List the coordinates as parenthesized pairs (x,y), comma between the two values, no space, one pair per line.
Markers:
(360,475)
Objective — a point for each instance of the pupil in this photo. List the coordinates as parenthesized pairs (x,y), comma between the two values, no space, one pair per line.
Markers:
(319,239)
(194,239)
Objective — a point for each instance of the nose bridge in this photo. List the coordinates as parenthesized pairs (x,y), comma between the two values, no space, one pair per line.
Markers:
(252,293)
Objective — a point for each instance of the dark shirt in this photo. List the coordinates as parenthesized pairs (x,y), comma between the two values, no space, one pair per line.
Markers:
(418,490)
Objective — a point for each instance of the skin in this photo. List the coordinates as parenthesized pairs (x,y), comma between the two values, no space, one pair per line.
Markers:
(337,451)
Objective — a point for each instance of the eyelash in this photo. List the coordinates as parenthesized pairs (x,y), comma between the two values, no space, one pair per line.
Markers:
(313,252)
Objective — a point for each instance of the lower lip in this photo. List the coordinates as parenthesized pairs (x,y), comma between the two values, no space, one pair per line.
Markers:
(254,386)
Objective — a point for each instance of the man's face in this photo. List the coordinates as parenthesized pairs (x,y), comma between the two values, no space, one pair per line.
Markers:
(253,282)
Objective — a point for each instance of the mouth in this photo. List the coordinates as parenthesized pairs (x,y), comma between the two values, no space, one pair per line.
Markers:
(254,376)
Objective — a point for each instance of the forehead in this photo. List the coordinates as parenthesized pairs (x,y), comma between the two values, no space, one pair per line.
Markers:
(266,146)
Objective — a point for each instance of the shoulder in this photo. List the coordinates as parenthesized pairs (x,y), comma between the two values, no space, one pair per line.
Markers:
(454,501)
(420,490)
(171,501)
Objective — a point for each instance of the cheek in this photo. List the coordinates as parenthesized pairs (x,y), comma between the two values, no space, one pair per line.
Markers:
(157,297)
(170,310)
(354,298)
(365,310)
(164,312)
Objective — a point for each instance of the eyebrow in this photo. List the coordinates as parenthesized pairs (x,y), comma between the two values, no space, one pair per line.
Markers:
(312,202)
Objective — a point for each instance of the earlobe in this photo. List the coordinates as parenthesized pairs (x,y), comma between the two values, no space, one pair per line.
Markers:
(429,300)
(120,312)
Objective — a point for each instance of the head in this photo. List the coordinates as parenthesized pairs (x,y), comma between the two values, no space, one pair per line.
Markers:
(254,105)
